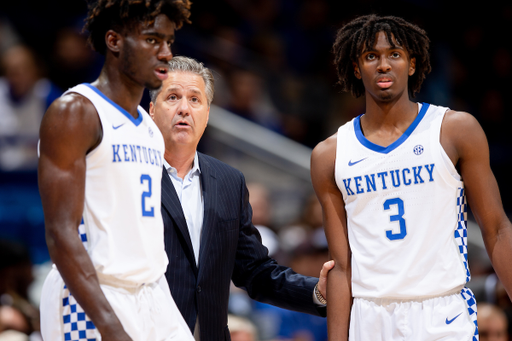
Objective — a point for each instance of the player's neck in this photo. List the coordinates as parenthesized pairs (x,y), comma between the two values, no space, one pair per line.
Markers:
(392,112)
(120,89)
(181,158)
(383,124)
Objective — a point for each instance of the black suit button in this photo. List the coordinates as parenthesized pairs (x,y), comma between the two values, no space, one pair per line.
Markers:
(198,289)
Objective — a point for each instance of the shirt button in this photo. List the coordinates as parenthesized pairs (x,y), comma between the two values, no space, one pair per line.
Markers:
(198,289)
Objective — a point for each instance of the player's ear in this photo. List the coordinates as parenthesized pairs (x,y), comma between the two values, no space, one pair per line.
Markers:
(113,40)
(357,73)
(412,66)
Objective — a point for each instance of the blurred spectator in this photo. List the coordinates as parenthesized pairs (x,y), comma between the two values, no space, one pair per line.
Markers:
(311,220)
(12,335)
(24,97)
(492,323)
(488,289)
(12,319)
(241,329)
(8,37)
(249,99)
(15,278)
(260,203)
(73,62)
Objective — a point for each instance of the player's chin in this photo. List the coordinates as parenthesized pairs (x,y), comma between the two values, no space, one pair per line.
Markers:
(386,95)
(154,84)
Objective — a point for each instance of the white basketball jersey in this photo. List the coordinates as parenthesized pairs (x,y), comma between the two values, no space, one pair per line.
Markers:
(122,219)
(406,211)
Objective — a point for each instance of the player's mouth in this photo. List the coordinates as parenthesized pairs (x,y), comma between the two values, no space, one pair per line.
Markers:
(384,82)
(162,72)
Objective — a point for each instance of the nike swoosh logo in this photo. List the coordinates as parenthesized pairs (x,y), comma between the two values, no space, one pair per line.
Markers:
(350,163)
(119,126)
(453,319)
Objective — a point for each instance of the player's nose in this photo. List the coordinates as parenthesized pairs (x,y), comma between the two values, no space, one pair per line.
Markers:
(165,53)
(384,65)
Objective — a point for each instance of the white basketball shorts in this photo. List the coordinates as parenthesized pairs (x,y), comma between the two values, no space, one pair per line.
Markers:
(447,318)
(147,313)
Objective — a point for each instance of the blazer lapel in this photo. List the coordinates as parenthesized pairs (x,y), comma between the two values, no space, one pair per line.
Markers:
(171,203)
(209,187)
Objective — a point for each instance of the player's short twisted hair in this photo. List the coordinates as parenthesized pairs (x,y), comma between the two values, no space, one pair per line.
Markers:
(359,35)
(187,64)
(104,15)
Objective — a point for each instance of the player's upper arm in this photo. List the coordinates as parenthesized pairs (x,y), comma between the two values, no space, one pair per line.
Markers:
(465,142)
(69,129)
(322,175)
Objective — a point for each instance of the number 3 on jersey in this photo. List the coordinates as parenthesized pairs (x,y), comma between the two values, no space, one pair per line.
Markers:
(146,194)
(396,217)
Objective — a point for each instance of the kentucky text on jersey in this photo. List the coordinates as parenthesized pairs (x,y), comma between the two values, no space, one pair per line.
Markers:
(134,153)
(393,178)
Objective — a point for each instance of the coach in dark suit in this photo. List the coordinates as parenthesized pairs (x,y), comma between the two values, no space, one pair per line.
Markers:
(209,236)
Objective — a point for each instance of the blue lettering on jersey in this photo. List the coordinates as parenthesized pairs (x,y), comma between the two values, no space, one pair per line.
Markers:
(398,181)
(417,174)
(136,154)
(382,175)
(357,180)
(115,148)
(408,181)
(125,149)
(370,183)
(347,186)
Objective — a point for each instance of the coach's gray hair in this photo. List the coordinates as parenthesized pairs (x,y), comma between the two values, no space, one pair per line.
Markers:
(186,64)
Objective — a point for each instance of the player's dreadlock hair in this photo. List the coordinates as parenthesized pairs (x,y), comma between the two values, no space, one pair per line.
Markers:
(104,15)
(359,35)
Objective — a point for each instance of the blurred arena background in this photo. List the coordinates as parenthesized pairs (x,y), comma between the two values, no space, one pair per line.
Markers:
(276,98)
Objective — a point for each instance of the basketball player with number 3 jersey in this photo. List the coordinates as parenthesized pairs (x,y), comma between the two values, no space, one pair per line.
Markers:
(393,184)
(100,168)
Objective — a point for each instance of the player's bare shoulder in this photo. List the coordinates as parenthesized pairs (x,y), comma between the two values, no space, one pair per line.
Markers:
(325,151)
(323,160)
(74,117)
(73,105)
(460,134)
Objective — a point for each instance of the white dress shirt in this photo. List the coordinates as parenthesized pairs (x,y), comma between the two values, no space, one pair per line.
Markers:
(191,199)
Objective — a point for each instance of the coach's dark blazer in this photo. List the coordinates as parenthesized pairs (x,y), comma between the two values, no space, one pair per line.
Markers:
(230,249)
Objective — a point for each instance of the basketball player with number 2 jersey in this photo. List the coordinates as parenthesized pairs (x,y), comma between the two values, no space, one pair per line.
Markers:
(393,184)
(100,168)
(122,229)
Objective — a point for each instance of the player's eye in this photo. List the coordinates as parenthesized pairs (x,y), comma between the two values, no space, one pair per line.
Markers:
(371,56)
(151,40)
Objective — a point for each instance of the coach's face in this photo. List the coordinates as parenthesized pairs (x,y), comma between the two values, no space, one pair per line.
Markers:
(181,109)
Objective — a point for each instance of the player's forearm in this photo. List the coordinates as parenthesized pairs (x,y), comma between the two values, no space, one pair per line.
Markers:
(339,305)
(77,271)
(500,252)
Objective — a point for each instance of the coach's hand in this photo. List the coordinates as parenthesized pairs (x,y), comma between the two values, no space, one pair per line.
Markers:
(322,281)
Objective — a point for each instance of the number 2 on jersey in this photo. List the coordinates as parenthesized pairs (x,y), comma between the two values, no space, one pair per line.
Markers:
(396,217)
(146,194)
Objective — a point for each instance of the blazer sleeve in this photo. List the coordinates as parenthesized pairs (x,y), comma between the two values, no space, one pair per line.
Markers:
(261,276)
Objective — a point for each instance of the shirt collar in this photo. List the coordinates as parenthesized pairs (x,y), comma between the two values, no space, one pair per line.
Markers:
(195,167)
